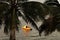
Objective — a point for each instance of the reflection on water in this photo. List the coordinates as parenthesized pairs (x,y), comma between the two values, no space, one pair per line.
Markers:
(5,39)
(33,35)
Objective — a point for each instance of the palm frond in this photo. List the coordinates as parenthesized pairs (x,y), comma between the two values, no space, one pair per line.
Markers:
(36,12)
(57,19)
(49,27)
(3,9)
(17,22)
(33,11)
(7,20)
(4,2)
(28,19)
(7,25)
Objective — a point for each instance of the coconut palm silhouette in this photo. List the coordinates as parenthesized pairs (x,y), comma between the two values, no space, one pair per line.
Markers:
(52,23)
(30,11)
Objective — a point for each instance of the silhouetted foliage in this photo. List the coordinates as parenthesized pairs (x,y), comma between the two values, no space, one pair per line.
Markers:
(28,12)
(31,12)
(53,22)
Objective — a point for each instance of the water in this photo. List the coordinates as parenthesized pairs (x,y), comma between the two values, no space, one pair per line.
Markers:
(33,35)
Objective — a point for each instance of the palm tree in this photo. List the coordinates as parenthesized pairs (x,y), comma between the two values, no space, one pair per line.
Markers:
(53,22)
(30,11)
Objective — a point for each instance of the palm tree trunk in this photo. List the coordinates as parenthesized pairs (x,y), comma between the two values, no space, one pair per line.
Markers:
(13,25)
(12,35)
(13,20)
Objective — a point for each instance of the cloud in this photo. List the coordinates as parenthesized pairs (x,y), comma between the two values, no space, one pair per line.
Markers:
(59,1)
(38,0)
(42,1)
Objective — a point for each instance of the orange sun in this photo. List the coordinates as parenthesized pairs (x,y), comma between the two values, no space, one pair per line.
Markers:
(26,29)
